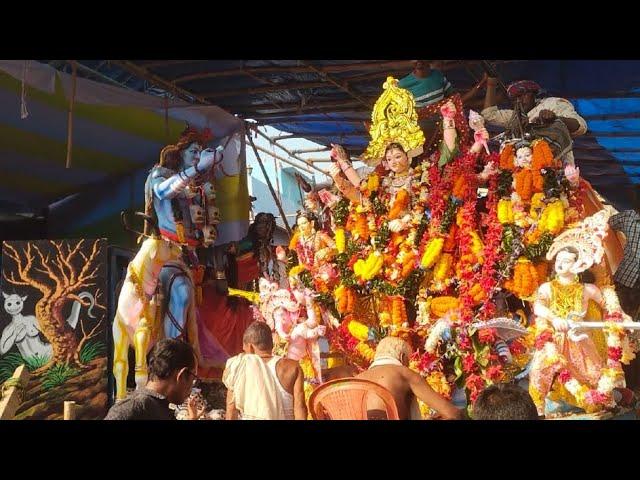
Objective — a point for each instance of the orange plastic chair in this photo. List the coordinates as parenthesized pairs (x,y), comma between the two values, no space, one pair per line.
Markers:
(346,399)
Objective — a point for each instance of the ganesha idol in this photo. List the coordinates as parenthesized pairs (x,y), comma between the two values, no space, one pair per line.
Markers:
(295,320)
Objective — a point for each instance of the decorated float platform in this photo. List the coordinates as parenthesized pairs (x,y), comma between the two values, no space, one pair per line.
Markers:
(412,250)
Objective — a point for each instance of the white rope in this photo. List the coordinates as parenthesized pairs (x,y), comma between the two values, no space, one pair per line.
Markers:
(24,113)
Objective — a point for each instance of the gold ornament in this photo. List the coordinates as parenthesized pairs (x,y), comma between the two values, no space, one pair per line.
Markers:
(394,120)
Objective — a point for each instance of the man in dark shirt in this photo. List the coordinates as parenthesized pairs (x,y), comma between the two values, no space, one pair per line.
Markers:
(172,364)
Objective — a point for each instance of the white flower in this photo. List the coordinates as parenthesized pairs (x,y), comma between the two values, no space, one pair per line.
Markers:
(611,301)
(422,316)
(613,341)
(606,384)
(434,336)
(573,386)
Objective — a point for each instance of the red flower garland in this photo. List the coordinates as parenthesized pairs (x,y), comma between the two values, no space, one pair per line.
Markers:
(487,335)
(544,337)
(614,353)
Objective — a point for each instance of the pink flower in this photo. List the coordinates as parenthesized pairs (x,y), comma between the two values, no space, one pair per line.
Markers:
(464,343)
(595,397)
(613,317)
(427,362)
(564,376)
(516,348)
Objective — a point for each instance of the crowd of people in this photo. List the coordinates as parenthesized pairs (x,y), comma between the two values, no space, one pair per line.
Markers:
(264,386)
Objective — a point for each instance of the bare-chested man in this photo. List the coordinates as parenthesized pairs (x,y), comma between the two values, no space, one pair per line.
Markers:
(390,370)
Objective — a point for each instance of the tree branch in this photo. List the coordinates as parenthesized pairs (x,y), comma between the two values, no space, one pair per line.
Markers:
(86,337)
(82,277)
(23,270)
(11,253)
(84,302)
(70,259)
(96,304)
(52,275)
(14,281)
(61,259)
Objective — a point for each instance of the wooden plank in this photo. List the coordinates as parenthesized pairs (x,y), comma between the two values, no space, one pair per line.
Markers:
(72,101)
(12,396)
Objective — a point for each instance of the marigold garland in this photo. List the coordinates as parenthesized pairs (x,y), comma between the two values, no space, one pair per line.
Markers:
(507,156)
(523,181)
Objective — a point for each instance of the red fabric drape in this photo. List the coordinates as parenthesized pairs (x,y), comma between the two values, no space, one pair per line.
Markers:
(220,328)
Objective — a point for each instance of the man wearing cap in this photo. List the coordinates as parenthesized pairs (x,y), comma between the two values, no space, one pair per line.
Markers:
(550,112)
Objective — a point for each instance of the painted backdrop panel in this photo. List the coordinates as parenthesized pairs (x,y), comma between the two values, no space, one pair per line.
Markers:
(54,320)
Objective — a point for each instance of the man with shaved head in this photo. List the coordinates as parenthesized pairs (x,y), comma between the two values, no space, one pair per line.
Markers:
(260,385)
(390,370)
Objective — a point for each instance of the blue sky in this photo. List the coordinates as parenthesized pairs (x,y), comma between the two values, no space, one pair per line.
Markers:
(265,201)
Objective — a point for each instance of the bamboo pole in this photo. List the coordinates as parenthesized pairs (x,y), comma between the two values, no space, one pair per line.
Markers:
(70,410)
(74,75)
(266,177)
(289,152)
(311,150)
(289,162)
(166,116)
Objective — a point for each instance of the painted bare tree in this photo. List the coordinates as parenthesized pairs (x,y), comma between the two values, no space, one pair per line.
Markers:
(60,275)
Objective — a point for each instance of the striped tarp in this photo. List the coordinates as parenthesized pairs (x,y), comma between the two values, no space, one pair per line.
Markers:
(114,146)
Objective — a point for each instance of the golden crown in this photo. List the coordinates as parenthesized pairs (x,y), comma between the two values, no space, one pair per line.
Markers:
(394,120)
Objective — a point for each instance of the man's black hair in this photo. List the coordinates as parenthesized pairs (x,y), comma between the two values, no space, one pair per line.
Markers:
(504,401)
(169,355)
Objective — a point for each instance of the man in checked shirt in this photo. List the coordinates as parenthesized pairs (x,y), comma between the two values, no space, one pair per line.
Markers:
(627,276)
